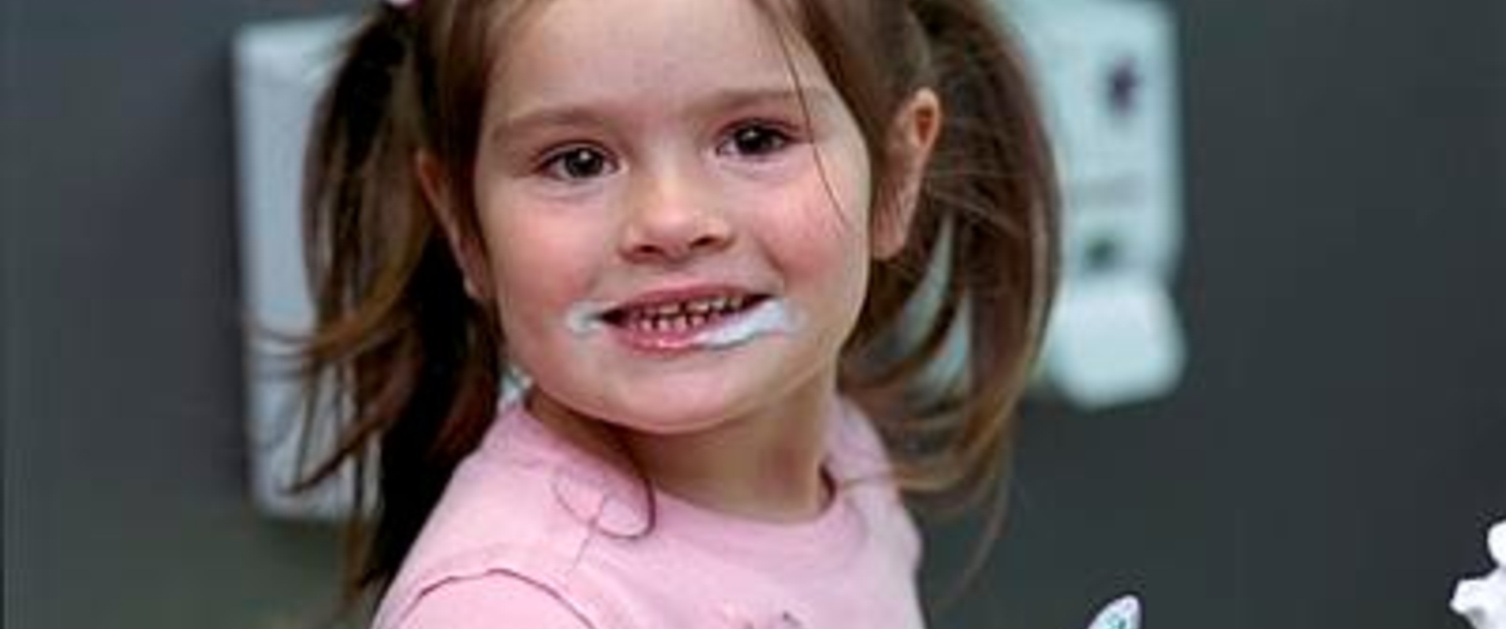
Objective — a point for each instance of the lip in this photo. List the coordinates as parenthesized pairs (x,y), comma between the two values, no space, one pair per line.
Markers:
(634,322)
(667,296)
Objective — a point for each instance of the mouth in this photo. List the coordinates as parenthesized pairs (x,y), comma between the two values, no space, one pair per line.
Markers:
(680,316)
(678,321)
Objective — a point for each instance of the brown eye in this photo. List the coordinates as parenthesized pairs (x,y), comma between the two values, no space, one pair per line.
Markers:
(755,140)
(578,162)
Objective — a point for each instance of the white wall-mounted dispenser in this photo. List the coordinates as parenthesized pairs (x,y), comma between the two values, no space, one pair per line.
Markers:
(280,69)
(1106,73)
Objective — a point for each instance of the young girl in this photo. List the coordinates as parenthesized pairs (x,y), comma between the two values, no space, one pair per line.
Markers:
(715,249)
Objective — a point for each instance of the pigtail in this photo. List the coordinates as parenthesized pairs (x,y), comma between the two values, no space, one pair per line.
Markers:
(993,184)
(989,209)
(979,269)
(399,359)
(977,275)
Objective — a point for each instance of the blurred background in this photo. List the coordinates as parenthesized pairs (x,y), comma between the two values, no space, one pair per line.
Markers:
(1331,457)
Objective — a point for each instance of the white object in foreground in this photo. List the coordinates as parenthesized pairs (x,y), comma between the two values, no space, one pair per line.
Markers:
(1483,600)
(1122,613)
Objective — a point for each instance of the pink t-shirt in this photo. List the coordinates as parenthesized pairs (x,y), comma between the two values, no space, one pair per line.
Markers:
(532,532)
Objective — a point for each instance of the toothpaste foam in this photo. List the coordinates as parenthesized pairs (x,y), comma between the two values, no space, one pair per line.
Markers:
(584,318)
(771,316)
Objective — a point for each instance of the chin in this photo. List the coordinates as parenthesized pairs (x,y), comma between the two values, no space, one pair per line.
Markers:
(669,415)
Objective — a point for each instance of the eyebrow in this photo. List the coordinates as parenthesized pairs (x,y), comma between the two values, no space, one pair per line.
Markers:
(810,99)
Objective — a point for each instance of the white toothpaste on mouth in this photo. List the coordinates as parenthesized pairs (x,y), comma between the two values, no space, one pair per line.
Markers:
(772,316)
(584,318)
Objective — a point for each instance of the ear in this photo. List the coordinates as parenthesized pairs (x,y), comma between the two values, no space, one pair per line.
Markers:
(912,136)
(469,255)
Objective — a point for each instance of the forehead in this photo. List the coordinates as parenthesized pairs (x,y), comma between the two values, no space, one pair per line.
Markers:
(664,50)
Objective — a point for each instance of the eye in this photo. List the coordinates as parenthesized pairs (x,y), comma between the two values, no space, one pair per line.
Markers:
(577,162)
(755,140)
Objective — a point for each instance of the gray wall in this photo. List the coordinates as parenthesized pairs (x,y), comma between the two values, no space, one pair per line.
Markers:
(1331,460)
(1340,442)
(123,448)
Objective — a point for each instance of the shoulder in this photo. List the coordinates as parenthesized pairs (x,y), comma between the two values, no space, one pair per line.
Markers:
(491,601)
(510,533)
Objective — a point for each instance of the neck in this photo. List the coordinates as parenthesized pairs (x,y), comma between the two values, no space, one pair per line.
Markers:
(765,465)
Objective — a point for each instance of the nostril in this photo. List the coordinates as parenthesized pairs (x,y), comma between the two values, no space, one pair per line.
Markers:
(708,241)
(667,244)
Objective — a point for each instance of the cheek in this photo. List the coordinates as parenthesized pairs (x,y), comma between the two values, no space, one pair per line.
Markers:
(814,237)
(537,262)
(829,226)
(817,235)
(536,275)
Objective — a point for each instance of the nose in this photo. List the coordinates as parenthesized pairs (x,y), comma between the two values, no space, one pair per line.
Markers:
(674,215)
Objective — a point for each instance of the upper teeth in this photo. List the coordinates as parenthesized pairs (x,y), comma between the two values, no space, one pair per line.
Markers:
(698,306)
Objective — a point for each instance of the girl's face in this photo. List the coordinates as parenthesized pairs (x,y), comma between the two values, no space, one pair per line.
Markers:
(677,229)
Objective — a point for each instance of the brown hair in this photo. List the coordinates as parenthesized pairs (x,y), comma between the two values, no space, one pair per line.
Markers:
(410,366)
